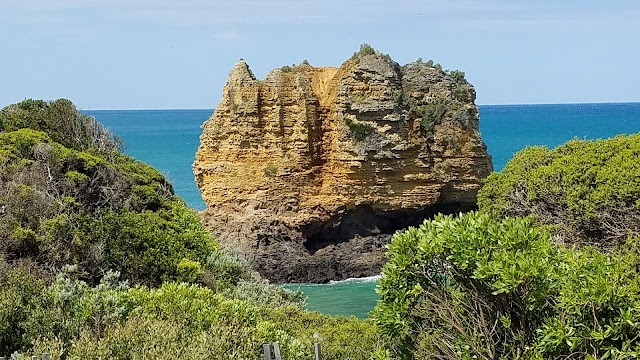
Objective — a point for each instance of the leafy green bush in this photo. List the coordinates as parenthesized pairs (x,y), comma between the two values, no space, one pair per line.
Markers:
(462,93)
(258,292)
(73,320)
(431,114)
(365,49)
(149,247)
(457,74)
(70,198)
(20,284)
(474,287)
(62,121)
(589,189)
(69,306)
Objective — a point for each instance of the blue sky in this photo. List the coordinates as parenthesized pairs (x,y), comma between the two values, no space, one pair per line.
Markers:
(137,54)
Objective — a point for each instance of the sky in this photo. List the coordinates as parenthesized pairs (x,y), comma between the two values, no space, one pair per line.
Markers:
(164,54)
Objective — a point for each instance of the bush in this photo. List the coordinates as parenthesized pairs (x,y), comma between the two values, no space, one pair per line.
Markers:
(431,114)
(68,198)
(462,93)
(457,74)
(225,269)
(69,306)
(186,320)
(474,287)
(149,247)
(265,294)
(589,189)
(21,284)
(359,131)
(365,49)
(62,121)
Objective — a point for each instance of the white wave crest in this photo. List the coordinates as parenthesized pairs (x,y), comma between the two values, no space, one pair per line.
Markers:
(367,279)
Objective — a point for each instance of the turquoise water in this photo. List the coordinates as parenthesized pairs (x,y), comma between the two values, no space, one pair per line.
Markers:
(168,140)
(349,297)
(509,128)
(165,139)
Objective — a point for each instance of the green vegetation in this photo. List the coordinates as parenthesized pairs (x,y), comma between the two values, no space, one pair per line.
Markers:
(491,285)
(99,259)
(85,203)
(61,121)
(430,114)
(359,131)
(462,93)
(289,68)
(590,190)
(72,320)
(271,170)
(472,287)
(365,50)
(430,105)
(457,74)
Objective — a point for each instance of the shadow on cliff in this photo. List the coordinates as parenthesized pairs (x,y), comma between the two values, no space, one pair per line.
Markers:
(366,222)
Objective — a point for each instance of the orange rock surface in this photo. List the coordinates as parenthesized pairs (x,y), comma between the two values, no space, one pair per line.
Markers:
(307,144)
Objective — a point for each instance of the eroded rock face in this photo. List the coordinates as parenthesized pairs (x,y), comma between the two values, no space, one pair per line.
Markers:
(309,171)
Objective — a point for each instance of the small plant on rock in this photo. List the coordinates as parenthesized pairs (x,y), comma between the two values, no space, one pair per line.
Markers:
(271,170)
(359,131)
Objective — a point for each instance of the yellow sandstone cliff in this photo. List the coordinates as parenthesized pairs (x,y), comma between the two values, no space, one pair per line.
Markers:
(310,170)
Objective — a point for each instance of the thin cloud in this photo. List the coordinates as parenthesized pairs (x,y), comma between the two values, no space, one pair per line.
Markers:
(252,12)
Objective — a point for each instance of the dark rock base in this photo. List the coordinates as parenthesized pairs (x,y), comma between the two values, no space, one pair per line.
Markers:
(351,244)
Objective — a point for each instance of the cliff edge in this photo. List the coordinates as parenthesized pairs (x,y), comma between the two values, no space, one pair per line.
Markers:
(310,171)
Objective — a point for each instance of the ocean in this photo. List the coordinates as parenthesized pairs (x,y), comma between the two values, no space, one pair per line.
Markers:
(168,140)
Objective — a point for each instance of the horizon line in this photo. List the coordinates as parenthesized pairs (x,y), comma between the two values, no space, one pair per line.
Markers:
(505,104)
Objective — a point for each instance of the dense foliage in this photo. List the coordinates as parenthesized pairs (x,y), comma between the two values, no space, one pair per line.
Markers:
(61,121)
(472,287)
(589,189)
(99,259)
(69,319)
(68,196)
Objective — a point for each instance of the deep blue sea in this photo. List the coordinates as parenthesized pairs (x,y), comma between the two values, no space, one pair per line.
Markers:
(168,140)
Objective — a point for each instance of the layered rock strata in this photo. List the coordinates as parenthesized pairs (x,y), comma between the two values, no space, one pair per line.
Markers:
(309,171)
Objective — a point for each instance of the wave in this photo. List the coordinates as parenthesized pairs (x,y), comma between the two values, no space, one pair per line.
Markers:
(367,279)
(362,280)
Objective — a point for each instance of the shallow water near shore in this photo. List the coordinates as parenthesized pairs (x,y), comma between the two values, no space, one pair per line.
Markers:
(168,140)
(346,298)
